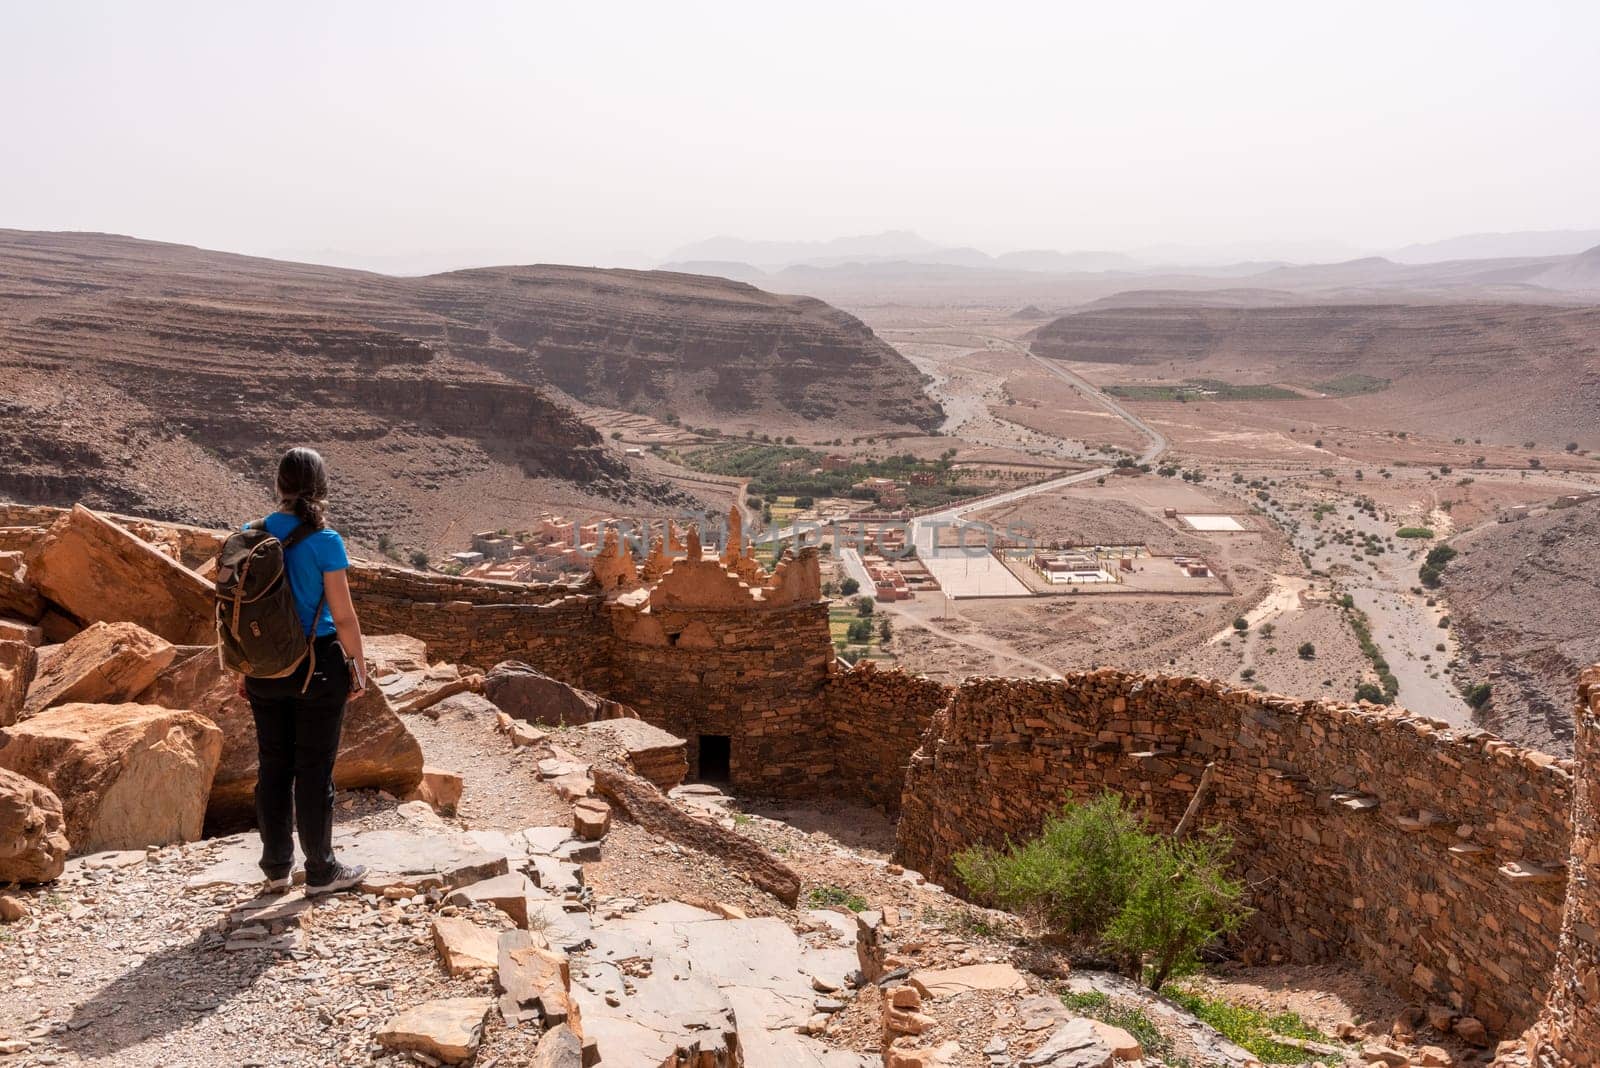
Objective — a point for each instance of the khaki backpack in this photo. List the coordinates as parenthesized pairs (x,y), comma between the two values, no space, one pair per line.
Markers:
(259,633)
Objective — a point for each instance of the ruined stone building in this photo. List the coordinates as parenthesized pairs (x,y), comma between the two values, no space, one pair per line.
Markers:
(1450,865)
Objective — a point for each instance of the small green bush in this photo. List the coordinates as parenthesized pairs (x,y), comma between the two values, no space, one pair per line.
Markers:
(1413,532)
(1307,650)
(823,897)
(1098,879)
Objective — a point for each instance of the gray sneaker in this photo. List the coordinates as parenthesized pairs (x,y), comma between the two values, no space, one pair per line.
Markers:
(345,877)
(280,885)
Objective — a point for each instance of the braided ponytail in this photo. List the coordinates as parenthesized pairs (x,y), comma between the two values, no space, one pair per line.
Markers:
(303,485)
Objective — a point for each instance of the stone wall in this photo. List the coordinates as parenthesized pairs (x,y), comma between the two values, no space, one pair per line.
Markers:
(753,676)
(557,628)
(876,720)
(1431,858)
(1568,1034)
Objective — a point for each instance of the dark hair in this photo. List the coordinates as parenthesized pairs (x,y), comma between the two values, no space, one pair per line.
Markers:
(303,485)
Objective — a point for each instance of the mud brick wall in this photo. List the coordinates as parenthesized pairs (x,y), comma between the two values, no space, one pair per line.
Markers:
(1363,834)
(559,629)
(754,676)
(877,719)
(1569,1032)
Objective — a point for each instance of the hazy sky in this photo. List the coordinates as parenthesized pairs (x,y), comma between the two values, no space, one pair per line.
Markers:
(610,133)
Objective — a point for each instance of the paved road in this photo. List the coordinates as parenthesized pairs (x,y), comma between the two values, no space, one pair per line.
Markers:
(925,528)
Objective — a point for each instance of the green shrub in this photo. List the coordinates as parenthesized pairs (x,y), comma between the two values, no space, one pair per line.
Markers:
(1096,878)
(849,587)
(1252,1028)
(1478,695)
(1413,532)
(1307,650)
(822,897)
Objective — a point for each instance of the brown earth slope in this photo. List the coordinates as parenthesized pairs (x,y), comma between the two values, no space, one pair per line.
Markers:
(705,349)
(163,379)
(1521,598)
(1501,372)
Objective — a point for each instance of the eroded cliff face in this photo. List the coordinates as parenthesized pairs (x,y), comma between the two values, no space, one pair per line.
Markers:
(691,345)
(164,379)
(1499,372)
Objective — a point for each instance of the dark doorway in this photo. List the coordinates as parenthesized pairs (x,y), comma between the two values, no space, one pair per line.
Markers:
(716,753)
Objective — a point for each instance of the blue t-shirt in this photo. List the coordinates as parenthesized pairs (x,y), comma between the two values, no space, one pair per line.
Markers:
(306,563)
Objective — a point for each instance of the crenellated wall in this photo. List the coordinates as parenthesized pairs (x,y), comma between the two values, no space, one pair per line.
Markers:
(1431,858)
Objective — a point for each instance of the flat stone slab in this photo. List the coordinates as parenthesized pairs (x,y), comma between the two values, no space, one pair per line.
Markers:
(948,982)
(390,856)
(701,975)
(447,1029)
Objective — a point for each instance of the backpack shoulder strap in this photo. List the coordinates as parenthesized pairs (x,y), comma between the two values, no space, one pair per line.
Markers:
(298,535)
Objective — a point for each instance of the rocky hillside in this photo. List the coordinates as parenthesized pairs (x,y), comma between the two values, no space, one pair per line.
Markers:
(1507,372)
(702,348)
(164,379)
(1519,596)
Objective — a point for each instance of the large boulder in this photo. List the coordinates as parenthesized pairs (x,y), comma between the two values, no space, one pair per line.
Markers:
(19,600)
(33,840)
(96,570)
(376,751)
(129,776)
(526,693)
(106,664)
(18,662)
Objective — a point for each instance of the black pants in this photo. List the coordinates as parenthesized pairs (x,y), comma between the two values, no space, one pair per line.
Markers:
(297,737)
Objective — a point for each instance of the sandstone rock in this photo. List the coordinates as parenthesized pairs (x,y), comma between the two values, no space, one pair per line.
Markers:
(106,663)
(508,893)
(129,775)
(13,908)
(1439,1017)
(20,600)
(902,1015)
(559,1048)
(1075,1044)
(1124,1047)
(447,1029)
(464,946)
(33,840)
(1434,1057)
(899,1056)
(526,693)
(947,982)
(535,980)
(591,819)
(439,789)
(376,751)
(18,663)
(97,571)
(653,753)
(1471,1031)
(1377,1053)
(12,630)
(650,809)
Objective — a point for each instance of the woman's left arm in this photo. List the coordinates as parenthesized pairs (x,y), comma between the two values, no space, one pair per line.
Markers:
(336,587)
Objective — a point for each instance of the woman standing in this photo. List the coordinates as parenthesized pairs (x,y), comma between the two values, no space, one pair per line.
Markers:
(298,720)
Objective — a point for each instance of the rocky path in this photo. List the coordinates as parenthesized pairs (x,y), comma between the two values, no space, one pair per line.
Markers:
(170,958)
